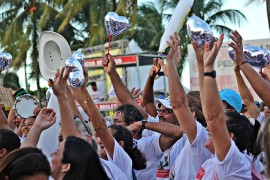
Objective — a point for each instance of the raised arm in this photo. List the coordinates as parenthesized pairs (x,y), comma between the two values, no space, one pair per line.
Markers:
(45,119)
(260,85)
(3,121)
(123,94)
(247,97)
(59,86)
(148,92)
(98,120)
(169,133)
(214,111)
(178,97)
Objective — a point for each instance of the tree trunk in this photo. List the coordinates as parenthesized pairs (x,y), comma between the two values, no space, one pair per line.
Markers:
(268,11)
(25,77)
(114,5)
(35,59)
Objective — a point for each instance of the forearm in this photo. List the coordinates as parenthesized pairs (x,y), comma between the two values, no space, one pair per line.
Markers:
(32,138)
(94,114)
(260,85)
(165,129)
(3,121)
(72,104)
(99,124)
(10,120)
(243,89)
(247,97)
(148,97)
(179,103)
(201,80)
(215,117)
(68,126)
(80,99)
(123,94)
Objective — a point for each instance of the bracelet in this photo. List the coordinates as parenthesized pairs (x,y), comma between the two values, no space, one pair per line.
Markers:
(242,63)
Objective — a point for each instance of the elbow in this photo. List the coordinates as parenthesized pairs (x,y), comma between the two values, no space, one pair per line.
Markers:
(179,133)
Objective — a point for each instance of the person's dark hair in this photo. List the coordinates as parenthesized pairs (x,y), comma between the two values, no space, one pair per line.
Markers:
(121,133)
(131,113)
(240,126)
(195,105)
(93,83)
(24,162)
(84,160)
(9,140)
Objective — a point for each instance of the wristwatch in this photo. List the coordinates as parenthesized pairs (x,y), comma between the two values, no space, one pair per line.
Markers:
(143,123)
(211,74)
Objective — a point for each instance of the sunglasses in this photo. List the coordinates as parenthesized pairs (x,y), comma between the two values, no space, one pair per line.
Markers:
(164,111)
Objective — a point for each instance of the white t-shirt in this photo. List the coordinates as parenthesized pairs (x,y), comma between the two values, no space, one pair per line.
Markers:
(112,170)
(95,95)
(168,159)
(235,166)
(192,156)
(121,159)
(150,148)
(261,118)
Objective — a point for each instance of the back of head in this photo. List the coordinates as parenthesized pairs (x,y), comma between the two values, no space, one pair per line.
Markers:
(84,160)
(24,162)
(131,113)
(195,105)
(9,140)
(240,126)
(121,133)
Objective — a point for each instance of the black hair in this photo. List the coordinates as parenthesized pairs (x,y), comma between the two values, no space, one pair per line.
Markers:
(195,105)
(240,126)
(131,113)
(121,133)
(84,160)
(93,83)
(9,140)
(24,162)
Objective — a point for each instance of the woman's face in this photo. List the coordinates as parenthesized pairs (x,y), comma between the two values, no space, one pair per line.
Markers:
(56,160)
(27,125)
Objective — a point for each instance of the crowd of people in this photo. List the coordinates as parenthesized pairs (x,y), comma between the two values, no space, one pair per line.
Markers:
(206,134)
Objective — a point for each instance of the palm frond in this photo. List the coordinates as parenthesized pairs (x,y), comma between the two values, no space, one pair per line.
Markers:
(229,15)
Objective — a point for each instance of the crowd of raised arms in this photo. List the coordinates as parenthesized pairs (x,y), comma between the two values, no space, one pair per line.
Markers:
(206,134)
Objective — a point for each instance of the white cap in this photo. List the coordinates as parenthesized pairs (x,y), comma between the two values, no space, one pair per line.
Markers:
(165,102)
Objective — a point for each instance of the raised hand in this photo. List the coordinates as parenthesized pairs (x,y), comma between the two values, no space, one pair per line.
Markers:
(237,46)
(59,83)
(109,64)
(85,73)
(174,53)
(210,55)
(155,68)
(136,93)
(45,119)
(134,128)
(174,48)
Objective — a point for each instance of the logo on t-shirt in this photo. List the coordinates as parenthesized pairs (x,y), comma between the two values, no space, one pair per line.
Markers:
(200,174)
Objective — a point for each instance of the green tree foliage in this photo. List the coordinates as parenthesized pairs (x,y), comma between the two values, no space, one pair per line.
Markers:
(11,80)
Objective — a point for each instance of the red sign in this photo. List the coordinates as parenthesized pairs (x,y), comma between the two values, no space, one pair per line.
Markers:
(106,106)
(119,60)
